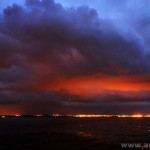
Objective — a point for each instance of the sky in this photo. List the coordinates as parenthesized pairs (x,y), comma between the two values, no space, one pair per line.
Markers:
(72,57)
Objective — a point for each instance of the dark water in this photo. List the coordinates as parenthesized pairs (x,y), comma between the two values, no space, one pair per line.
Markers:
(72,133)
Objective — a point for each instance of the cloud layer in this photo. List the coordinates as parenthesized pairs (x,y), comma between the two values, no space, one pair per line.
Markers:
(42,43)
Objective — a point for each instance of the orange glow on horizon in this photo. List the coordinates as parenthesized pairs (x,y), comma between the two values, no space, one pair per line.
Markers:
(137,115)
(97,85)
(10,110)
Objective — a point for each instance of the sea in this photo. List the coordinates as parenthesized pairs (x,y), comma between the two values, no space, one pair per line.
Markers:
(45,133)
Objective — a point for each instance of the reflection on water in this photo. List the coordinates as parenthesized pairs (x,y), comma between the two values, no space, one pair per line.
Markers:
(84,134)
(115,130)
(72,133)
(148,130)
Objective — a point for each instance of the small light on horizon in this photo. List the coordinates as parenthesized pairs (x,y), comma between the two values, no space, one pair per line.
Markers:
(56,115)
(39,115)
(137,116)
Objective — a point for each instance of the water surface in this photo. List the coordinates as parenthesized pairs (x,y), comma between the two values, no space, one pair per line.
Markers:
(72,133)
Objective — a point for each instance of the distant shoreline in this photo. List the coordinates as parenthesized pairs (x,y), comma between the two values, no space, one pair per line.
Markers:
(77,116)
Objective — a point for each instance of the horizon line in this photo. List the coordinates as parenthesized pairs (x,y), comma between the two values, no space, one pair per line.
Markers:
(80,115)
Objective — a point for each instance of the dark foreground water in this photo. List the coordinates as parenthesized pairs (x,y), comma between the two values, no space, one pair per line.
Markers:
(72,133)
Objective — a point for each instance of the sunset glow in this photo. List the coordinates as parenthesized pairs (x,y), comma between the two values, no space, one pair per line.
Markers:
(59,56)
(98,84)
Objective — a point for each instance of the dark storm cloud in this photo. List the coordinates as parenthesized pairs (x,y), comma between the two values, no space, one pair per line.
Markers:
(142,28)
(8,97)
(7,50)
(45,97)
(50,102)
(121,97)
(48,33)
(42,41)
(63,98)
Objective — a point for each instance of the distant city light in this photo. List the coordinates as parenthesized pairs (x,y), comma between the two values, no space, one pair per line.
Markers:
(121,116)
(81,115)
(56,115)
(137,116)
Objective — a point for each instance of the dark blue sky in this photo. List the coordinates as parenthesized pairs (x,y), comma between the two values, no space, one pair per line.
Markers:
(80,56)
